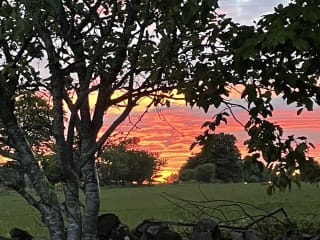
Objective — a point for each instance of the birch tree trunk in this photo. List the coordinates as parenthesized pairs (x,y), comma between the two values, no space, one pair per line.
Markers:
(117,51)
(92,201)
(49,204)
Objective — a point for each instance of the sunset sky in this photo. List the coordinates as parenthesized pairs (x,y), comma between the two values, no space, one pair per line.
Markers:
(170,131)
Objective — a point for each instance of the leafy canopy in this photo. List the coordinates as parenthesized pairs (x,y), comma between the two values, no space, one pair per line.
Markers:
(276,58)
(220,151)
(123,51)
(126,163)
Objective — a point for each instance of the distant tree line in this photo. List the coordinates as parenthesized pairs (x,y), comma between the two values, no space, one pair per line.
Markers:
(220,161)
(118,164)
(123,163)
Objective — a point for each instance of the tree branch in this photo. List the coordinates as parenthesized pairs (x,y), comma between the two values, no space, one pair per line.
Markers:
(114,125)
(7,154)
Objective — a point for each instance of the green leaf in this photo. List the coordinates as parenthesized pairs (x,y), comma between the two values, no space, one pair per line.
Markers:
(313,146)
(301,44)
(206,124)
(311,13)
(167,103)
(299,111)
(192,146)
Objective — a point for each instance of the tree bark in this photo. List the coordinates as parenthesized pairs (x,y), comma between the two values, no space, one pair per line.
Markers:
(49,204)
(92,195)
(71,192)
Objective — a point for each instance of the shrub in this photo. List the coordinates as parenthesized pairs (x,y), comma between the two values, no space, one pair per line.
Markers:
(205,172)
(186,175)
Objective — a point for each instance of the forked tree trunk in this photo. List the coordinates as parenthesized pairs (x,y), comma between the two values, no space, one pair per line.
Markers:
(91,190)
(48,205)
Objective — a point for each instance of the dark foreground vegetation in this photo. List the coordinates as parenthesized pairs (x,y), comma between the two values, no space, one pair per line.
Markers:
(65,52)
(178,203)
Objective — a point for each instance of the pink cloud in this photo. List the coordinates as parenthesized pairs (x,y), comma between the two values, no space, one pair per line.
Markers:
(171,131)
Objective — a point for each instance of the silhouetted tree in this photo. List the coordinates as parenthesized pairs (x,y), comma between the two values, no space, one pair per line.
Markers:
(223,153)
(93,55)
(255,170)
(205,172)
(115,53)
(310,171)
(275,58)
(186,174)
(124,164)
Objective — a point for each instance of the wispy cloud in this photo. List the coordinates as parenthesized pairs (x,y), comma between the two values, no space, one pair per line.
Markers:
(247,11)
(170,131)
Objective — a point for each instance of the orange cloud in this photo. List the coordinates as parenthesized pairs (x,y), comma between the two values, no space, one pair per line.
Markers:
(171,131)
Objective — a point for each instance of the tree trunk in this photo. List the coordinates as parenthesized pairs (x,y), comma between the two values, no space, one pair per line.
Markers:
(92,193)
(72,204)
(92,203)
(49,204)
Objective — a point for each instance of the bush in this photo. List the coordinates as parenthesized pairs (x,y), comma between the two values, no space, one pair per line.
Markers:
(205,172)
(186,175)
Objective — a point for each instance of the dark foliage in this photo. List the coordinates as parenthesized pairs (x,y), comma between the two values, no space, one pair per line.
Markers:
(221,151)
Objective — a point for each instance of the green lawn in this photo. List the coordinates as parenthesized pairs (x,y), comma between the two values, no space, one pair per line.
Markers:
(134,204)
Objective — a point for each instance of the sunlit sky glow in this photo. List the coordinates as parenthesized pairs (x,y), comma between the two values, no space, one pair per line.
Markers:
(170,131)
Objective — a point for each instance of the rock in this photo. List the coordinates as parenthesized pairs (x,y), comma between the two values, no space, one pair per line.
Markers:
(155,230)
(19,234)
(252,234)
(111,228)
(106,223)
(206,229)
(167,234)
(316,237)
(292,235)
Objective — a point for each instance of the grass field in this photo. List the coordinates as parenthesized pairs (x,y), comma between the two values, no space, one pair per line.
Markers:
(134,204)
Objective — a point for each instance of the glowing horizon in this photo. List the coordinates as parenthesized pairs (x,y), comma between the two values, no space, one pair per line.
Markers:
(171,131)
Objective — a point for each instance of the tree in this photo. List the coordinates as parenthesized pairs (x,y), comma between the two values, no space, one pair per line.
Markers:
(284,47)
(35,117)
(226,156)
(117,51)
(220,150)
(50,167)
(124,164)
(143,166)
(205,172)
(113,165)
(278,57)
(12,176)
(310,171)
(186,174)
(255,170)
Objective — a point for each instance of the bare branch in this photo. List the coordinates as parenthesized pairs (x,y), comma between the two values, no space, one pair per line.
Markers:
(115,124)
(134,125)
